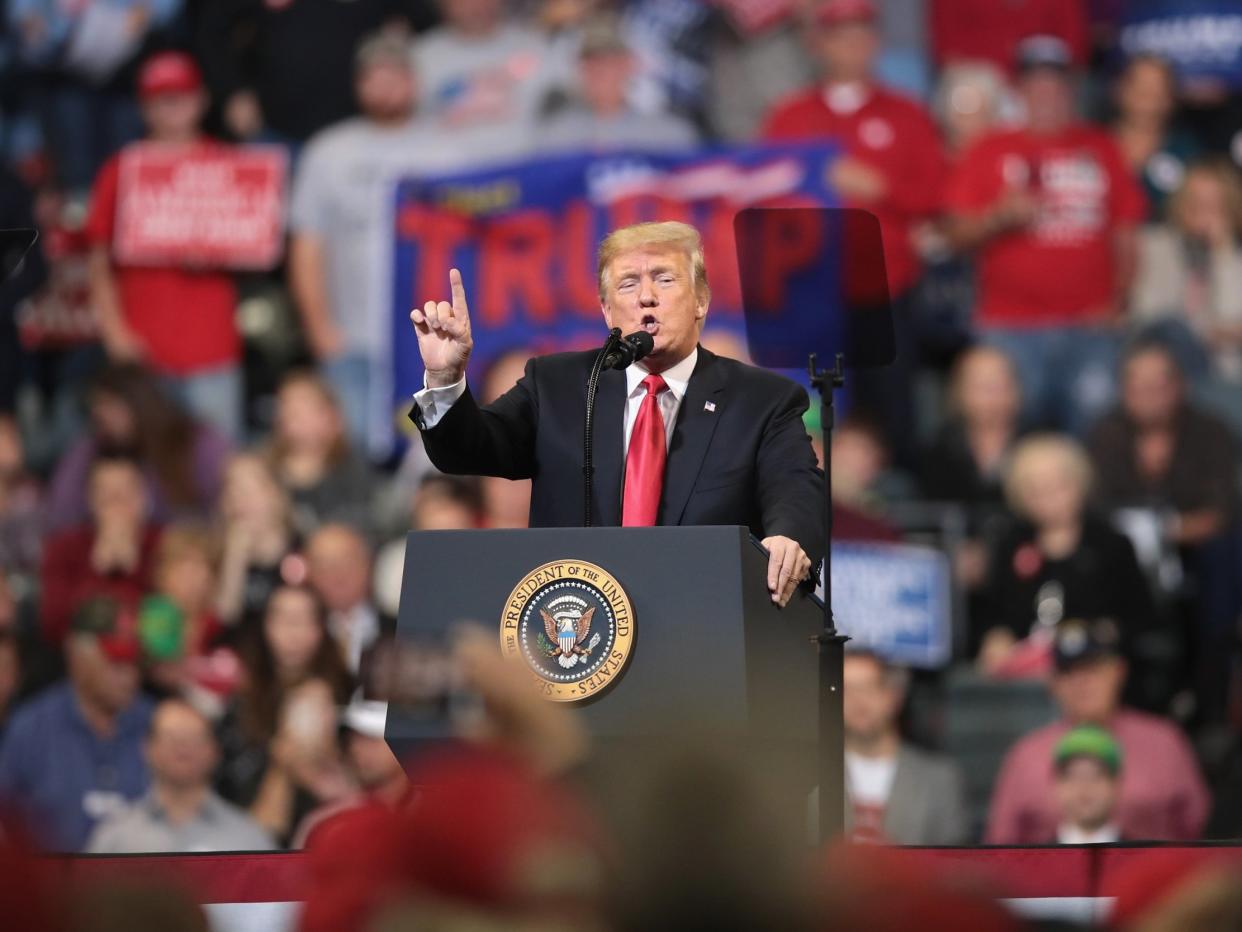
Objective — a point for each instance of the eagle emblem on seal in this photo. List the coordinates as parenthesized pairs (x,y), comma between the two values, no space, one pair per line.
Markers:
(567,625)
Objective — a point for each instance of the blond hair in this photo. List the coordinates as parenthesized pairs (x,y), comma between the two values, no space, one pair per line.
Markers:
(1039,448)
(663,233)
(1221,171)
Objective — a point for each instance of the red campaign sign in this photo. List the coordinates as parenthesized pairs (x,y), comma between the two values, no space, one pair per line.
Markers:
(205,207)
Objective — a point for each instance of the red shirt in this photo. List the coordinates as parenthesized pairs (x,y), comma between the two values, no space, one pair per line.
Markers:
(68,579)
(894,136)
(1061,269)
(990,30)
(185,317)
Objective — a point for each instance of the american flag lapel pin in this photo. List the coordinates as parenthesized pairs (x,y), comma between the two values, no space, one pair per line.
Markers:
(709,406)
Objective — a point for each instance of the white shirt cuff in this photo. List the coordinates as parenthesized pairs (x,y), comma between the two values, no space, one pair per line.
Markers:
(435,402)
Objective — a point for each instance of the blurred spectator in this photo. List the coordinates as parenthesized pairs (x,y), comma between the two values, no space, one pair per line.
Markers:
(970,100)
(966,461)
(442,503)
(599,117)
(379,776)
(178,624)
(338,562)
(1060,561)
(861,483)
(482,79)
(259,541)
(179,812)
(980,30)
(79,56)
(474,841)
(338,216)
(1160,452)
(506,502)
(1188,289)
(182,459)
(753,66)
(1163,797)
(1051,210)
(142,310)
(22,515)
(72,755)
(10,664)
(1087,763)
(282,70)
(311,456)
(278,739)
(896,792)
(16,212)
(891,164)
(447,503)
(1156,151)
(110,554)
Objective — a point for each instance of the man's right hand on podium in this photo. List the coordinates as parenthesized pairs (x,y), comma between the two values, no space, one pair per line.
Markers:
(444,340)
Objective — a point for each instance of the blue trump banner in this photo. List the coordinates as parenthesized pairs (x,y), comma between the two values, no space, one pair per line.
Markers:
(1201,38)
(894,599)
(525,238)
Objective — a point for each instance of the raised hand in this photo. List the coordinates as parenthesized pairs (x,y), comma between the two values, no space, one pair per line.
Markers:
(444,339)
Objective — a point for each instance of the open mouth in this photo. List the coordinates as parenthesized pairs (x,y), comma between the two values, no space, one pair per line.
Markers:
(649,323)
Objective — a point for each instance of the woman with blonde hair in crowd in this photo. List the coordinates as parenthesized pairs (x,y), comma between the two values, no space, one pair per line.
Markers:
(259,542)
(310,454)
(1059,560)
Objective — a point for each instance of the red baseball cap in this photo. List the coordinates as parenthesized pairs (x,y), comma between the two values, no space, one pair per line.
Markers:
(169,73)
(113,624)
(837,12)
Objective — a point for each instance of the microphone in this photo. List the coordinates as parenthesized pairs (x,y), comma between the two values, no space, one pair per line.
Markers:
(630,349)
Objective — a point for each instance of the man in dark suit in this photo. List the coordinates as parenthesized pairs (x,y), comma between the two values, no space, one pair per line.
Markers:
(681,437)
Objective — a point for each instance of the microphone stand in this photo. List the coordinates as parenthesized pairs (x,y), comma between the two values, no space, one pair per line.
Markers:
(831,642)
(588,432)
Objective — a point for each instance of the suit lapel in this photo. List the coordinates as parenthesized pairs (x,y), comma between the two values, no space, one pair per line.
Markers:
(901,816)
(691,437)
(609,447)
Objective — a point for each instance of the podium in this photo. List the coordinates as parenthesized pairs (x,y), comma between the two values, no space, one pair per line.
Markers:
(709,655)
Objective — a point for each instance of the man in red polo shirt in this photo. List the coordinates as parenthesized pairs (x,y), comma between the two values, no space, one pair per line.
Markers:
(1051,210)
(892,164)
(179,320)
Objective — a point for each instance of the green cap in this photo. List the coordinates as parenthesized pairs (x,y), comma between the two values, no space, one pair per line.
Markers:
(1089,741)
(161,628)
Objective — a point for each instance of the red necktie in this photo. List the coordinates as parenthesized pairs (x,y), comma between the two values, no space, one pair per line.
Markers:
(644,461)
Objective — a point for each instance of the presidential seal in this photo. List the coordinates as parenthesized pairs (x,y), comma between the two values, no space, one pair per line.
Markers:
(573,625)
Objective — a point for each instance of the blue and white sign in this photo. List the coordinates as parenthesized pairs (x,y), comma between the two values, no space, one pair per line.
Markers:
(895,600)
(1201,38)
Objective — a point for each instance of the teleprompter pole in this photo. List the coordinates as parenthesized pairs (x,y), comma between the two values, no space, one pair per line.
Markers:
(831,642)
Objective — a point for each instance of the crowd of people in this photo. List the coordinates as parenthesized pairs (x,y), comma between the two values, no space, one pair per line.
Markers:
(201,555)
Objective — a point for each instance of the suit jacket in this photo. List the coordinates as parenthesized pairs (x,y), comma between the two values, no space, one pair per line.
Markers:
(739,452)
(927,804)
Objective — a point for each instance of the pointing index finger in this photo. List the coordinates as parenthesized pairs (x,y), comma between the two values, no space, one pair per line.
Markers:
(459,291)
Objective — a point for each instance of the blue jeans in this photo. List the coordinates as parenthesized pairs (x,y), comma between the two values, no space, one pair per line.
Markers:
(350,377)
(213,396)
(1068,374)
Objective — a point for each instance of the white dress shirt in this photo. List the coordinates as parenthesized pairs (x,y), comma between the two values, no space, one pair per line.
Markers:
(435,402)
(1073,835)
